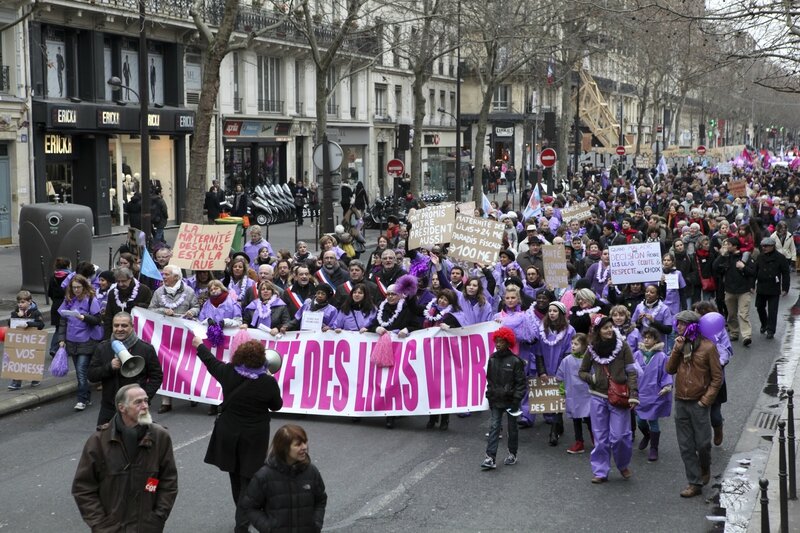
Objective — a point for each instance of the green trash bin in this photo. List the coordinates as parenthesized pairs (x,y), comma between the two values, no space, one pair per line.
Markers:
(237,237)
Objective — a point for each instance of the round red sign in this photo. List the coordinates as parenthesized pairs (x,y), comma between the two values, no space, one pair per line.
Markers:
(620,150)
(548,157)
(396,167)
(701,150)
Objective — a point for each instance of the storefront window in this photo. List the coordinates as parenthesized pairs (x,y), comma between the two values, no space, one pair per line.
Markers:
(254,165)
(162,163)
(56,53)
(59,182)
(352,168)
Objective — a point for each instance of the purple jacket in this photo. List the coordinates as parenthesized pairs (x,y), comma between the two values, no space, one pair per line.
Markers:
(329,313)
(230,309)
(552,355)
(578,396)
(654,378)
(79,330)
(354,320)
(251,249)
(265,319)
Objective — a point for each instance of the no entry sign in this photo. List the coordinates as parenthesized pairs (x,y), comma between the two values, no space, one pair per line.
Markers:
(620,150)
(701,150)
(548,157)
(395,167)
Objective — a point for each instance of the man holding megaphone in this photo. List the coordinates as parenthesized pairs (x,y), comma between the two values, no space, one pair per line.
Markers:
(121,360)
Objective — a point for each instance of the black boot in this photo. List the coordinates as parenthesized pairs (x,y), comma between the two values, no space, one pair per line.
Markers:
(553,440)
(646,438)
(432,421)
(445,423)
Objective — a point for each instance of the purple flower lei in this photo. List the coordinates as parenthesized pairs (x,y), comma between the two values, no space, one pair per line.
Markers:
(250,373)
(692,331)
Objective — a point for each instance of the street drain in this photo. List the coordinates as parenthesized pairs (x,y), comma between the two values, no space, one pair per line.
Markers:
(767,421)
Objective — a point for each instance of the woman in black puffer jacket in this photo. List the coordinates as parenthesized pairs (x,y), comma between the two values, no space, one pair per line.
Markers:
(287,494)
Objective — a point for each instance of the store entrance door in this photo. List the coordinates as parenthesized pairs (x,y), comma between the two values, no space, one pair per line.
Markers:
(59,182)
(5,196)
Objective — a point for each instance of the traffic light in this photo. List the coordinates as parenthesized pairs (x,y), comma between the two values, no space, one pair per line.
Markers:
(489,140)
(403,137)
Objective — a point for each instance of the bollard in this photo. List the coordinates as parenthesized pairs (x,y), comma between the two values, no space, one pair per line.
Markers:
(782,498)
(77,257)
(266,231)
(110,257)
(792,459)
(44,280)
(296,227)
(764,484)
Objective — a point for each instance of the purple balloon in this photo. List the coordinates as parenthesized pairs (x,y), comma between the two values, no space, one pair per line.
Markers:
(711,325)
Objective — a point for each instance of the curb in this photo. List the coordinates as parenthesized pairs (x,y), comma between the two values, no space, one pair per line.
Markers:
(36,397)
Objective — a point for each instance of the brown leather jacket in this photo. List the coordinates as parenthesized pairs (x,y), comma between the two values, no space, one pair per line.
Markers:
(698,377)
(115,495)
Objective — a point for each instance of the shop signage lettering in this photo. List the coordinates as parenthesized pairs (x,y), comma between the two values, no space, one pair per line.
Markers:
(109,118)
(232,127)
(504,132)
(57,144)
(154,120)
(65,116)
(186,122)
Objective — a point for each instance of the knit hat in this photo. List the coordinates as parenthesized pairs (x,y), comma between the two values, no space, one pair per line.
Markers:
(561,307)
(598,321)
(687,317)
(586,294)
(509,254)
(107,275)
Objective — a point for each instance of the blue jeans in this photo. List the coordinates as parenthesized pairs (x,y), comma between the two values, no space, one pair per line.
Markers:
(494,432)
(652,425)
(81,362)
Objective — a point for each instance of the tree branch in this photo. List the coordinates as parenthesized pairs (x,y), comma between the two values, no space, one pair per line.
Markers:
(205,31)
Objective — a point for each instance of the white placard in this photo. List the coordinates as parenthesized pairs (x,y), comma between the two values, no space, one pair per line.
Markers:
(635,263)
(672,280)
(18,323)
(312,321)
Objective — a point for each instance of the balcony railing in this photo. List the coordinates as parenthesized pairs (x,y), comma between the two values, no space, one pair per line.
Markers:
(333,109)
(5,79)
(270,106)
(249,19)
(380,112)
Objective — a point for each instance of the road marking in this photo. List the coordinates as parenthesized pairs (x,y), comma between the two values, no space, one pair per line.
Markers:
(406,482)
(191,441)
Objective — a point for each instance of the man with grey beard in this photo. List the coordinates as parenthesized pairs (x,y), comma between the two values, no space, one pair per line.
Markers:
(127,479)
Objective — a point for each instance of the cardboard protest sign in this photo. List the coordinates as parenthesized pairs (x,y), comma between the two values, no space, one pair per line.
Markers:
(466,208)
(580,211)
(203,247)
(544,396)
(555,265)
(738,188)
(633,263)
(477,240)
(431,225)
(23,354)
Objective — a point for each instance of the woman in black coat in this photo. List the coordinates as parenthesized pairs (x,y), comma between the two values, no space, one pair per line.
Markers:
(240,438)
(287,493)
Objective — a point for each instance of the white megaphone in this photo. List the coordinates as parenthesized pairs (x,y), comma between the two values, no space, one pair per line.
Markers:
(132,365)
(274,361)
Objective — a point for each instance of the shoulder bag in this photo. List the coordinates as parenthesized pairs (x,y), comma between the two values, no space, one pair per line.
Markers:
(618,393)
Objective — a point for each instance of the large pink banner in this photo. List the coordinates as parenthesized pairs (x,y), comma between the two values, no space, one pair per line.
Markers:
(435,371)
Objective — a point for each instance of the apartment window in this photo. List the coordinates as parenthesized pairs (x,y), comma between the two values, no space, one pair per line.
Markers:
(237,101)
(432,103)
(353,95)
(398,100)
(501,100)
(331,84)
(452,103)
(442,100)
(270,98)
(299,84)
(396,46)
(380,101)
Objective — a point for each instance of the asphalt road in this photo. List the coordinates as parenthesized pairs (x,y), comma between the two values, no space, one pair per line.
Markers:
(406,479)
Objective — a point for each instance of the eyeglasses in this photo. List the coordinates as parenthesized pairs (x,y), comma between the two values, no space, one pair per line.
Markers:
(76,287)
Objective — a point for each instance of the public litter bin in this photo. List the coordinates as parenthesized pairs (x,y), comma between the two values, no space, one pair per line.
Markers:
(49,231)
(237,237)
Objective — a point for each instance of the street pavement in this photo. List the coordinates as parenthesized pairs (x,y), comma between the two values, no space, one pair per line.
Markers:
(410,478)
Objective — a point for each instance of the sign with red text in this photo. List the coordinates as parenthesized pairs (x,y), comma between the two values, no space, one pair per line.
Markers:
(435,371)
(203,247)
(477,240)
(23,354)
(635,263)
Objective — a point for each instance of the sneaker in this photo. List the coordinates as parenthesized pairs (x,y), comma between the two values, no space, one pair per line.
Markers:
(488,463)
(510,460)
(14,386)
(576,448)
(80,406)
(770,335)
(35,383)
(747,342)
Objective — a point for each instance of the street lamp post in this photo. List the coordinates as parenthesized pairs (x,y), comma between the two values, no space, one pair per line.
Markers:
(457,118)
(144,132)
(458,105)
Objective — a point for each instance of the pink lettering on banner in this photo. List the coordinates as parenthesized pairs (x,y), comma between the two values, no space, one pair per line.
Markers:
(326,374)
(341,391)
(462,369)
(311,366)
(391,392)
(479,359)
(288,370)
(168,360)
(363,365)
(447,370)
(410,390)
(433,372)
(375,400)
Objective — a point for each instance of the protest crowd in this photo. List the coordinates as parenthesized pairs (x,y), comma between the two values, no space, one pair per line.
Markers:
(626,346)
